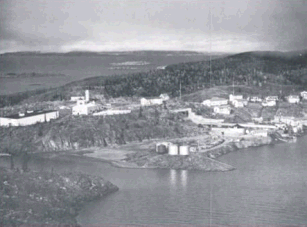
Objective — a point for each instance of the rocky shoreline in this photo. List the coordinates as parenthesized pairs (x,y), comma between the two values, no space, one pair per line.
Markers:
(241,144)
(205,161)
(47,198)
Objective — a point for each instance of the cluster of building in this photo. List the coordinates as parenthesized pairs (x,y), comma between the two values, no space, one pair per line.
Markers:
(224,106)
(85,106)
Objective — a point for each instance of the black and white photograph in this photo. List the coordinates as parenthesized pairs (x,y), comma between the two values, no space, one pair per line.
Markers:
(153,113)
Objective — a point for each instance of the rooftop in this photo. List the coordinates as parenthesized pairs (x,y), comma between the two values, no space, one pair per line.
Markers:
(16,116)
(218,99)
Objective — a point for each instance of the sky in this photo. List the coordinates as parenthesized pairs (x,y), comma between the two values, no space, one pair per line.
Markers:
(125,25)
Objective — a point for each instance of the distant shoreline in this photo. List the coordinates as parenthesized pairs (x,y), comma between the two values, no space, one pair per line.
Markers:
(26,75)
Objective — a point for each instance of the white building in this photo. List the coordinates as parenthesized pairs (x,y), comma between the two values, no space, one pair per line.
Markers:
(235,97)
(222,110)
(269,103)
(28,118)
(111,112)
(238,103)
(84,108)
(304,94)
(271,98)
(260,133)
(215,101)
(151,102)
(255,99)
(164,96)
(293,99)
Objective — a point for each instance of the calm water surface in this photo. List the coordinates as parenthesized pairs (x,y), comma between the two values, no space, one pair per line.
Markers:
(77,68)
(267,188)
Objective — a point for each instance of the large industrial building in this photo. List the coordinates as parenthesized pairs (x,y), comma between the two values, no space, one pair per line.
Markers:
(28,118)
(84,106)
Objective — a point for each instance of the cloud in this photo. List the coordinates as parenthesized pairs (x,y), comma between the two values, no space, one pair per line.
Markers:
(171,24)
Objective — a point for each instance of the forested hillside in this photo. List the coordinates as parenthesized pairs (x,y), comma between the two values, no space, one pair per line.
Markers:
(250,68)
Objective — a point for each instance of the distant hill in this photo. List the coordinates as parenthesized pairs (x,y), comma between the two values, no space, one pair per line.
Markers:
(250,69)
(99,53)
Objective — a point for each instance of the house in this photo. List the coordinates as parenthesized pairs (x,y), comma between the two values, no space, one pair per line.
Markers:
(28,118)
(151,102)
(238,103)
(164,96)
(222,110)
(269,103)
(271,98)
(215,101)
(84,108)
(304,94)
(255,99)
(293,99)
(235,97)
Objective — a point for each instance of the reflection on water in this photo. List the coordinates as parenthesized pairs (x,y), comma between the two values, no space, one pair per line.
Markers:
(267,188)
(173,178)
(178,179)
(183,178)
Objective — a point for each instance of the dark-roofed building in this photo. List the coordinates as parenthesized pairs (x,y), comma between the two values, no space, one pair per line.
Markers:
(28,118)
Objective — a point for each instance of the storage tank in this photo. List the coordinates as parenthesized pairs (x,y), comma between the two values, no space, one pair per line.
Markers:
(173,149)
(184,150)
(161,149)
(166,144)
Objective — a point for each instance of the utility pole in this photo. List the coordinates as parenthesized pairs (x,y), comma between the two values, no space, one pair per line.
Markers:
(233,86)
(180,89)
(210,42)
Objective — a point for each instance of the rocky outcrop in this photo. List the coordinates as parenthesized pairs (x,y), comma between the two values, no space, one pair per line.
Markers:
(197,161)
(47,198)
(244,143)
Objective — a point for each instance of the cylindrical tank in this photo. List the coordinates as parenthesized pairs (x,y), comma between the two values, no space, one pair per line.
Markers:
(184,150)
(173,149)
(161,149)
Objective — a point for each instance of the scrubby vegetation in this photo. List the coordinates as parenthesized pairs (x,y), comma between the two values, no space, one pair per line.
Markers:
(40,199)
(73,132)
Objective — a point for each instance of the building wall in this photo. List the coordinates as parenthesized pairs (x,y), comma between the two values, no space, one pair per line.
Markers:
(84,109)
(228,131)
(222,110)
(75,98)
(112,112)
(29,120)
(150,102)
(210,102)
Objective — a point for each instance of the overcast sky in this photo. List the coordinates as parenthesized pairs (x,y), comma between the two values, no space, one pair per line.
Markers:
(117,25)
